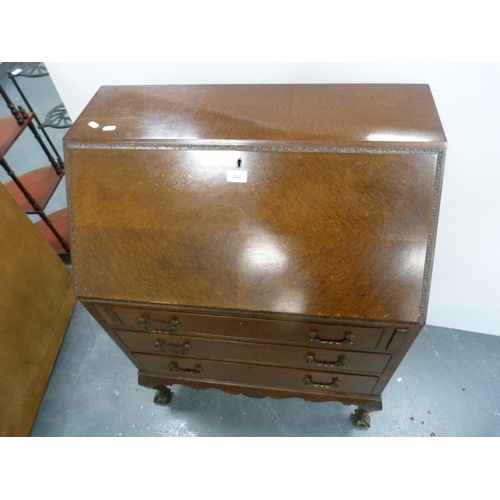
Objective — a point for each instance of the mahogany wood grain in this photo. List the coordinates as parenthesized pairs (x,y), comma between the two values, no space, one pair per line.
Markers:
(257,375)
(312,358)
(369,402)
(332,234)
(232,114)
(36,303)
(219,325)
(264,242)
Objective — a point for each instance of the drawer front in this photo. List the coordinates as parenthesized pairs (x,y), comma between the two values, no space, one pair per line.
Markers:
(289,332)
(257,376)
(254,352)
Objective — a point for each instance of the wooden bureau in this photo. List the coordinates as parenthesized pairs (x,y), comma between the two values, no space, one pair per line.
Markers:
(270,240)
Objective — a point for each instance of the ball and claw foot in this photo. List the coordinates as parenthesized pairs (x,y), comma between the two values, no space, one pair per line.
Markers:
(163,395)
(362,418)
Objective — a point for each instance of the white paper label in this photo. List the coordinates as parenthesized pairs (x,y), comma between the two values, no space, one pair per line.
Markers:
(93,124)
(236,176)
(109,127)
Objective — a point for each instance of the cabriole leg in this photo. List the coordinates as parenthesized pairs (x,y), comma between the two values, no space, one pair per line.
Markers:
(163,395)
(361,417)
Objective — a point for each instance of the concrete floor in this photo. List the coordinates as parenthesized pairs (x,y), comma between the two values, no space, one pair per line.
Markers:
(448,384)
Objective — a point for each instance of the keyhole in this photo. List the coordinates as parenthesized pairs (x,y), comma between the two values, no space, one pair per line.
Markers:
(238,163)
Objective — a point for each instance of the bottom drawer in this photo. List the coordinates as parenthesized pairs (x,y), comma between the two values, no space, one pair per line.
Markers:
(256,376)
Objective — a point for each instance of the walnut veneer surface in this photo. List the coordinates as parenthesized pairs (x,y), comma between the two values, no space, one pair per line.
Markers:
(310,279)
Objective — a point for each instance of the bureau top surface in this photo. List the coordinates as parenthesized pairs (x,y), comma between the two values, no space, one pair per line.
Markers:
(324,114)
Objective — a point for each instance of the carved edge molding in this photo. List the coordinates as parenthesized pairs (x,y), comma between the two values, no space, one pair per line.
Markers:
(431,239)
(440,152)
(70,221)
(250,147)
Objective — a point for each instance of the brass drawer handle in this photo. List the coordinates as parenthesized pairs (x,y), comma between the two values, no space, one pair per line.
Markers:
(143,323)
(310,360)
(160,346)
(173,367)
(349,339)
(309,381)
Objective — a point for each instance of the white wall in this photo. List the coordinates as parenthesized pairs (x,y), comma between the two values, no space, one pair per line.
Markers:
(465,292)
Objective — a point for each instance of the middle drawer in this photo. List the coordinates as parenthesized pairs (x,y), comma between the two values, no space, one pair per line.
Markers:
(269,354)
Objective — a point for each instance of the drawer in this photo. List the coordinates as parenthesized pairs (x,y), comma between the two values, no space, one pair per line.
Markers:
(254,352)
(256,376)
(314,334)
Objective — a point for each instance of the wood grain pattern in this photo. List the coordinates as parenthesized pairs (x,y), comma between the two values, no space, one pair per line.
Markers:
(262,241)
(311,357)
(238,327)
(257,376)
(36,303)
(331,236)
(322,114)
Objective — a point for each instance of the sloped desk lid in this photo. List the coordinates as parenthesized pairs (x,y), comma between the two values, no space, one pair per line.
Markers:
(337,216)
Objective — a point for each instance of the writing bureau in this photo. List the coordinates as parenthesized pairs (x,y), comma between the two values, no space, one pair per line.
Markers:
(270,240)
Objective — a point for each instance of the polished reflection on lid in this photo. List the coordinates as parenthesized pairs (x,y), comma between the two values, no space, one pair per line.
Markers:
(411,260)
(263,254)
(395,137)
(290,301)
(318,113)
(211,159)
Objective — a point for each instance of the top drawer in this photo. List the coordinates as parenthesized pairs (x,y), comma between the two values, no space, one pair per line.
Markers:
(289,332)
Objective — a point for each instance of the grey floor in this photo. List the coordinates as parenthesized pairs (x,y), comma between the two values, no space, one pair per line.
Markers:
(447,385)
